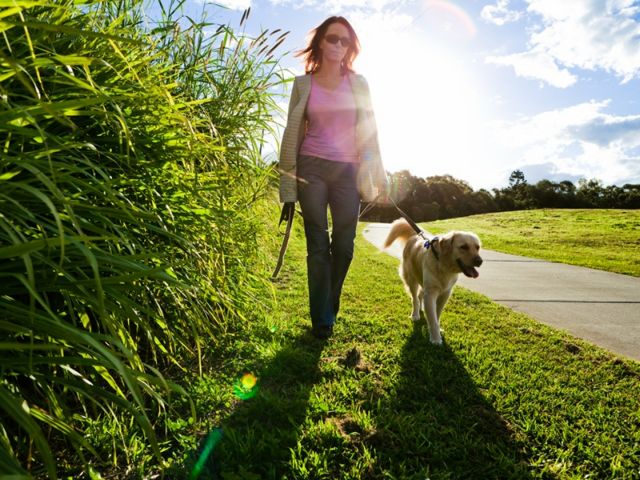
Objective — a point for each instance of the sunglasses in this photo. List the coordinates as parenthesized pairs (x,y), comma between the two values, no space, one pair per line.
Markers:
(333,39)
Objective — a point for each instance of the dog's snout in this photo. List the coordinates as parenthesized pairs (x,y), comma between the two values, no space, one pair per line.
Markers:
(477,261)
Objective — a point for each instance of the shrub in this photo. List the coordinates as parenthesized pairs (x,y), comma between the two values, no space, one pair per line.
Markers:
(129,171)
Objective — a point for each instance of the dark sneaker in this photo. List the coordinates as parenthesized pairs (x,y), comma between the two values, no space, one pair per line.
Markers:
(322,331)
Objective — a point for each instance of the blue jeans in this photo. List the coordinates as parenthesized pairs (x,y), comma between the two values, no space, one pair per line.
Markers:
(323,183)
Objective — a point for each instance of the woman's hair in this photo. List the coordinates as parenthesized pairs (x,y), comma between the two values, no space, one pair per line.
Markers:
(313,53)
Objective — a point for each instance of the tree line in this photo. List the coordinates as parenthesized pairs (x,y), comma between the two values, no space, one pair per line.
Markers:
(443,196)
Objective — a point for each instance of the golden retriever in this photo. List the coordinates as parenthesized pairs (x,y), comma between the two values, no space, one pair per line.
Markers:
(430,269)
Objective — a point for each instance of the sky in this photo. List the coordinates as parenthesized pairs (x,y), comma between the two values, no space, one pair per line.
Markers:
(479,88)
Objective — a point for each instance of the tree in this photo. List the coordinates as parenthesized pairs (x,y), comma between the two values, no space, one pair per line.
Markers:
(516,179)
(631,197)
(483,202)
(444,196)
(517,195)
(590,192)
(452,194)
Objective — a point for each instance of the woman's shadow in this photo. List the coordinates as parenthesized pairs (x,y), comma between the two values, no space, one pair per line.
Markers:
(436,424)
(265,428)
(433,423)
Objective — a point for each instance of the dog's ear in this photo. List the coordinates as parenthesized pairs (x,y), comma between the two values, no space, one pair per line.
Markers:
(446,243)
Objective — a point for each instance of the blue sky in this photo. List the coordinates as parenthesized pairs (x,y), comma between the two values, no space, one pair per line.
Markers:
(479,88)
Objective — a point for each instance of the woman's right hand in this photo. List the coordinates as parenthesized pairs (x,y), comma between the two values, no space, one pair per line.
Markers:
(288,211)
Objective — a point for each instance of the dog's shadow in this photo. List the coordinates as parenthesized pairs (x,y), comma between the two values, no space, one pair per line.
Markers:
(439,425)
(433,424)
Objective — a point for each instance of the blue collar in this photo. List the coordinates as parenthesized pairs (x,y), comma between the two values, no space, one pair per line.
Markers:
(430,244)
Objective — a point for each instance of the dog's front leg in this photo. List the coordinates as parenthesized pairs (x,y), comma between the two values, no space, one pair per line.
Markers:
(442,301)
(430,300)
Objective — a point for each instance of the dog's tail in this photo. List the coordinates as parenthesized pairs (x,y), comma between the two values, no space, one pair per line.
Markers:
(400,229)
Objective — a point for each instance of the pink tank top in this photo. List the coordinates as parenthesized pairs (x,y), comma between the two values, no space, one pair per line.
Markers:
(331,128)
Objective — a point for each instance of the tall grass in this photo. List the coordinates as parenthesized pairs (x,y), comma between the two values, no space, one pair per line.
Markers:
(129,170)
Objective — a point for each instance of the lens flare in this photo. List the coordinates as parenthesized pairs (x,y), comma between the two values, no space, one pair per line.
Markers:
(246,387)
(210,444)
(451,14)
(400,185)
(248,381)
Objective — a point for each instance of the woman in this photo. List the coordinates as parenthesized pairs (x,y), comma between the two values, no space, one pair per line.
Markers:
(330,158)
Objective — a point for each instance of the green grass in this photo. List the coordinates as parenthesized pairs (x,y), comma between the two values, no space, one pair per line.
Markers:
(602,239)
(504,397)
(132,190)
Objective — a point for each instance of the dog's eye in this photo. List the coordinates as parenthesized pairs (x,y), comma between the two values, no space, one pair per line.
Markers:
(465,247)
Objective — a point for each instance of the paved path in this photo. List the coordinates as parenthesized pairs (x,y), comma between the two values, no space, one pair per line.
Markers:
(601,307)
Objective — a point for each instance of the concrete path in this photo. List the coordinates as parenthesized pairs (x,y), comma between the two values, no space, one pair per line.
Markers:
(601,307)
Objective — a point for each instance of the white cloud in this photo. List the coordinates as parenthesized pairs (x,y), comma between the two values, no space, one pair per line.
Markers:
(585,34)
(499,13)
(537,65)
(232,4)
(338,6)
(579,141)
(610,130)
(296,4)
(606,164)
(375,21)
(374,28)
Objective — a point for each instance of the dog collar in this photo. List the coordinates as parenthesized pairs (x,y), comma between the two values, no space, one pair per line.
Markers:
(429,244)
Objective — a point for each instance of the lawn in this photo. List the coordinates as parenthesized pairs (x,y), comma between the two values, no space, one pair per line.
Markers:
(504,397)
(603,239)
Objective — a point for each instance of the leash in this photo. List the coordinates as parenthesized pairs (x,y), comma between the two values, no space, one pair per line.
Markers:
(428,243)
(289,211)
(287,214)
(413,224)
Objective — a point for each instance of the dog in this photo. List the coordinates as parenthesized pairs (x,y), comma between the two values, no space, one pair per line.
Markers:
(430,269)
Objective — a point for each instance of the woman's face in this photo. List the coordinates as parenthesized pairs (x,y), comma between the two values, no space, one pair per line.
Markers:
(335,43)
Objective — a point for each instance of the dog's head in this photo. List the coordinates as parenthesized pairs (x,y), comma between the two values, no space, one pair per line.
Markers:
(463,250)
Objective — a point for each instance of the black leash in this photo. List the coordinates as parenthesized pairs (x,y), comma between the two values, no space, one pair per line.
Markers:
(287,214)
(413,224)
(289,211)
(428,243)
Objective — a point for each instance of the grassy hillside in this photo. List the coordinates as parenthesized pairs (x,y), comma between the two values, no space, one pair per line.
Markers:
(504,398)
(603,239)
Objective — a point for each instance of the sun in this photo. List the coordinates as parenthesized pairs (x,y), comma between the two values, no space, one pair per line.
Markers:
(427,103)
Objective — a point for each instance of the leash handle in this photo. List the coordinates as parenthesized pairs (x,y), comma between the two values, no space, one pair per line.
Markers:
(288,211)
(285,240)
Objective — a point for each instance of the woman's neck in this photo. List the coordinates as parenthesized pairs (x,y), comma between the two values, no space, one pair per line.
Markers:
(329,70)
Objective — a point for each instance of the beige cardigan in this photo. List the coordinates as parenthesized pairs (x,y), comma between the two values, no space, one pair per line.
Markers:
(372,179)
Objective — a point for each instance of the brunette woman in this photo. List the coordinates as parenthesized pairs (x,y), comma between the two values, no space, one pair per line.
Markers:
(330,158)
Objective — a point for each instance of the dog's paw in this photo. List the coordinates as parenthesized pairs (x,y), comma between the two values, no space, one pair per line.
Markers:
(415,318)
(436,340)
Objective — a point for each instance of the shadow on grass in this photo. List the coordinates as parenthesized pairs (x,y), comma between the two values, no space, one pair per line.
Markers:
(256,439)
(436,425)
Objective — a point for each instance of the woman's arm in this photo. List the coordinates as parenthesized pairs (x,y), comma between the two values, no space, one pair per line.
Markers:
(287,167)
(371,146)
(295,97)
